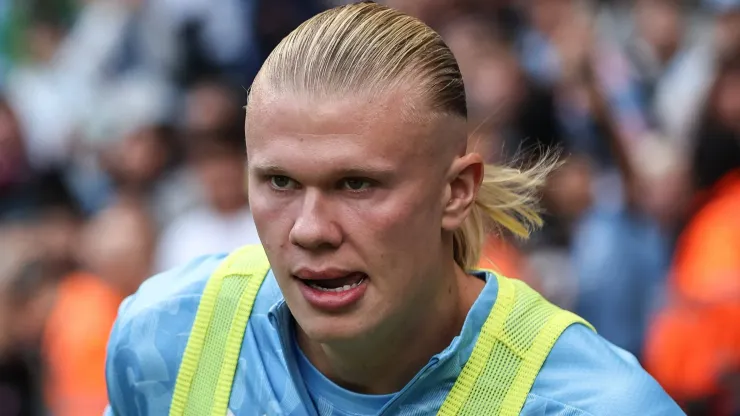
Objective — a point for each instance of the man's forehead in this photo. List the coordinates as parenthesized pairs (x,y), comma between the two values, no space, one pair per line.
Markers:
(364,109)
(381,120)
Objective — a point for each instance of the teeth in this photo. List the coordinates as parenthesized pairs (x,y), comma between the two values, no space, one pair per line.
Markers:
(337,289)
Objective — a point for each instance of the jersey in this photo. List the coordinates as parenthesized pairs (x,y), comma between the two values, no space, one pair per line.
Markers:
(583,375)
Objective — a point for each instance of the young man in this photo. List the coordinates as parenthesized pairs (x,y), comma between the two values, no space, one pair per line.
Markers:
(359,302)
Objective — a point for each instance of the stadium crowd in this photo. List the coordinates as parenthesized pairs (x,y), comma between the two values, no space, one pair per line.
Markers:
(122,155)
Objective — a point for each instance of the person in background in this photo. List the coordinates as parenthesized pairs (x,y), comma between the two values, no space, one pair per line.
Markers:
(40,200)
(224,222)
(657,45)
(140,158)
(36,87)
(116,254)
(210,105)
(57,218)
(15,171)
(133,145)
(686,85)
(146,163)
(692,347)
(716,145)
(692,344)
(618,297)
(28,286)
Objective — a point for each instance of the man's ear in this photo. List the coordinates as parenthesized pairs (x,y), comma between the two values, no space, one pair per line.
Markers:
(465,178)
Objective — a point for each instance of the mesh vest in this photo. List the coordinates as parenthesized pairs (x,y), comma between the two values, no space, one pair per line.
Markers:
(514,341)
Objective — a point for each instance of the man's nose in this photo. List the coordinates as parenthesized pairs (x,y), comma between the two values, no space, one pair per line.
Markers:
(315,228)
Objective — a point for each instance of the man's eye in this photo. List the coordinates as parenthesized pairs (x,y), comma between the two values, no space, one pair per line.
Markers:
(281,182)
(356,184)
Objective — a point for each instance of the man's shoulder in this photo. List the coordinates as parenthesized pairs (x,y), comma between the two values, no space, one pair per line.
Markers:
(177,292)
(151,331)
(585,374)
(170,289)
(150,334)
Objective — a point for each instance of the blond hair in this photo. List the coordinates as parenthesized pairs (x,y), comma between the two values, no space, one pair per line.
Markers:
(369,48)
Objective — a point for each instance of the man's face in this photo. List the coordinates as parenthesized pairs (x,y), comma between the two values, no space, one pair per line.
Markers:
(348,198)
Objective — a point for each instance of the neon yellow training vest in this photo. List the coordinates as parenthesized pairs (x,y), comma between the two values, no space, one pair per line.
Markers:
(514,341)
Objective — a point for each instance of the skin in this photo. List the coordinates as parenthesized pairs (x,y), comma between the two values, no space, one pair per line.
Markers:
(352,183)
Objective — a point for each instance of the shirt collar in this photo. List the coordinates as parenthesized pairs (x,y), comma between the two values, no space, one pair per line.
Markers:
(460,348)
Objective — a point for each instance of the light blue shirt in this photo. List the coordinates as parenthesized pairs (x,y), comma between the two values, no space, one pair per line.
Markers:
(583,375)
(332,399)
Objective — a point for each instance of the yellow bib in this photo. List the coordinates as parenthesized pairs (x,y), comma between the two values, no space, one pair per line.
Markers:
(514,341)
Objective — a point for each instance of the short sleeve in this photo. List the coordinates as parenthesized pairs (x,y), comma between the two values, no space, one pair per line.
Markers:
(588,375)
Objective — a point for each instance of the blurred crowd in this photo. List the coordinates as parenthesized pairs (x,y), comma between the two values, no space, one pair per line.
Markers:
(122,155)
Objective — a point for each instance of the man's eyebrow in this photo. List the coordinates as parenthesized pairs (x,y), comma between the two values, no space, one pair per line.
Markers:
(268,169)
(376,172)
(379,172)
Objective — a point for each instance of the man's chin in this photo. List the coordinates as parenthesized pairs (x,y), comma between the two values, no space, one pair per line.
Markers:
(332,329)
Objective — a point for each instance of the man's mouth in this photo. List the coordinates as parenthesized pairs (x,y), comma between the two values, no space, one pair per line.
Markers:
(340,284)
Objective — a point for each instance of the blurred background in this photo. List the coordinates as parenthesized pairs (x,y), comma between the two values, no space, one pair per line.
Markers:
(122,155)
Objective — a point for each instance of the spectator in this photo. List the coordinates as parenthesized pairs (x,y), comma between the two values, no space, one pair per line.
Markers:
(717,142)
(117,250)
(210,105)
(216,155)
(692,347)
(136,146)
(14,167)
(42,199)
(686,87)
(655,47)
(41,96)
(28,281)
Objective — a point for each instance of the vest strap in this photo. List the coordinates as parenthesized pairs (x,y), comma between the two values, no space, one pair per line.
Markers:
(206,373)
(513,344)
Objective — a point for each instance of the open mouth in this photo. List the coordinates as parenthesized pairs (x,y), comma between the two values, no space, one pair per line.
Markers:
(341,284)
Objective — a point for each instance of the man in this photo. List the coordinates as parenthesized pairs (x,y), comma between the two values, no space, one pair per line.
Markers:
(369,210)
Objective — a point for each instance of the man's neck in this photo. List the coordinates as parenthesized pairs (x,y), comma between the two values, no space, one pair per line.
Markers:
(386,363)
